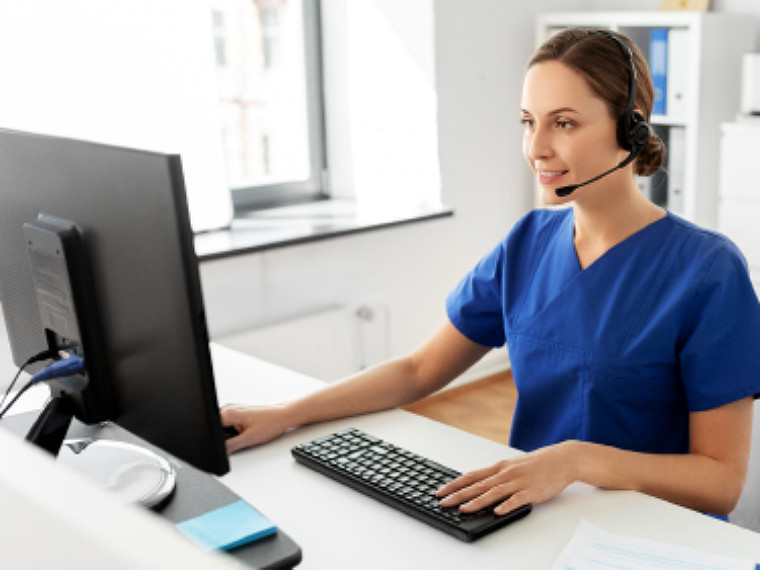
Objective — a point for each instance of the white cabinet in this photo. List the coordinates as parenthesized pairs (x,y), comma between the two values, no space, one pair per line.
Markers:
(739,202)
(702,90)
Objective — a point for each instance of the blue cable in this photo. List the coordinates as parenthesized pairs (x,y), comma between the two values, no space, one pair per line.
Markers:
(65,367)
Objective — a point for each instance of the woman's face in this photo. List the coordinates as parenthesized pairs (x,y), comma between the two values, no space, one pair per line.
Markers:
(569,135)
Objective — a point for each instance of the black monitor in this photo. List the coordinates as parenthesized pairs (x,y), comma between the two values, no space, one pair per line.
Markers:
(111,224)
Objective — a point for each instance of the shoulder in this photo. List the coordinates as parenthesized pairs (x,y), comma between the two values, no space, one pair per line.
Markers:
(542,220)
(527,238)
(714,271)
(705,247)
(538,226)
(522,245)
(719,339)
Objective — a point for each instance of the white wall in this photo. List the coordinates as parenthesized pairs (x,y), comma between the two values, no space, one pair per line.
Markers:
(478,61)
(380,101)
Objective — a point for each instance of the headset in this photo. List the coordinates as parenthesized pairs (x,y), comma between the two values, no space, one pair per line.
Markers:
(633,131)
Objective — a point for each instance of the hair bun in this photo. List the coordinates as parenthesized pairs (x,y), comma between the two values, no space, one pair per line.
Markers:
(652,157)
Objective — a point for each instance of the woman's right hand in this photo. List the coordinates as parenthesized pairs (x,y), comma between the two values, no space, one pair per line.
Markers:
(254,424)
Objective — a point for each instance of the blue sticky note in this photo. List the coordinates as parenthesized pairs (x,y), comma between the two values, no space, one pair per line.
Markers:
(228,527)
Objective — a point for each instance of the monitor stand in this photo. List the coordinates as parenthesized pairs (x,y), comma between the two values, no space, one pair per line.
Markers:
(49,429)
(135,474)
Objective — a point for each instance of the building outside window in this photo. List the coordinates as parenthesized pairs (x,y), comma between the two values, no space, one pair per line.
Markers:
(270,105)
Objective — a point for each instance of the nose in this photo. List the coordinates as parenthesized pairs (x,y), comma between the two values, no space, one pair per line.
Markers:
(536,144)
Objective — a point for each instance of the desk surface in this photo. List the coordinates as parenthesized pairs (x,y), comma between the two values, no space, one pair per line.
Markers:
(337,527)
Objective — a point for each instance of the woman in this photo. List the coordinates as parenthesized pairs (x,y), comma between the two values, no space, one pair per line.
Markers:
(634,336)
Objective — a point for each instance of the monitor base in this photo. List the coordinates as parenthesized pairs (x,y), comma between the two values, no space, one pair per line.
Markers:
(133,473)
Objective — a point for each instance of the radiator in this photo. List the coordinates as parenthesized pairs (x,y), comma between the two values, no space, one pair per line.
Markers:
(328,343)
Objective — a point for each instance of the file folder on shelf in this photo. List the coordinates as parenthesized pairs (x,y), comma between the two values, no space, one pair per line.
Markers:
(658,67)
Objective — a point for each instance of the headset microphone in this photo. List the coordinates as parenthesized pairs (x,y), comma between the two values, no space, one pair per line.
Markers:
(563,191)
(633,131)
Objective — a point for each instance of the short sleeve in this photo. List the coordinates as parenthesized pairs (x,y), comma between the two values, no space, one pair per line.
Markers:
(474,306)
(719,348)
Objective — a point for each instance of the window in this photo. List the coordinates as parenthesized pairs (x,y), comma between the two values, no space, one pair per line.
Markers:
(268,67)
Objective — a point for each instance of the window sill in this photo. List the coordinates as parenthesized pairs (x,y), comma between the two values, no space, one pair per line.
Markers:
(263,230)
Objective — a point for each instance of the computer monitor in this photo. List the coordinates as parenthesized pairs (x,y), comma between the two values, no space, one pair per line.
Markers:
(121,217)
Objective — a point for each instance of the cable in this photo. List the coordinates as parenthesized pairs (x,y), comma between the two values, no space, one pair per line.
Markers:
(24,388)
(44,355)
(65,367)
(58,369)
(13,383)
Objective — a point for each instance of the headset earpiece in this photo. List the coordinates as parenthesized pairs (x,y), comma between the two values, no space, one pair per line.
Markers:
(640,132)
(633,132)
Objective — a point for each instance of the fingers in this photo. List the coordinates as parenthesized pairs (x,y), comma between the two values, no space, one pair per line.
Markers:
(232,411)
(234,444)
(482,488)
(230,419)
(512,503)
(530,478)
(254,425)
(468,479)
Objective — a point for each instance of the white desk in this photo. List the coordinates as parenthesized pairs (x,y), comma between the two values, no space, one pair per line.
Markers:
(338,527)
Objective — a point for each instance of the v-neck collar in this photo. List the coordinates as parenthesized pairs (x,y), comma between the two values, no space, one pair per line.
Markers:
(570,307)
(635,236)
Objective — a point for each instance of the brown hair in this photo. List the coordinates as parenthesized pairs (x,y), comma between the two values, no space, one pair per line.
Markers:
(604,66)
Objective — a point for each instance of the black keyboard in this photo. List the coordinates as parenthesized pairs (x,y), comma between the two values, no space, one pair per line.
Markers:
(399,478)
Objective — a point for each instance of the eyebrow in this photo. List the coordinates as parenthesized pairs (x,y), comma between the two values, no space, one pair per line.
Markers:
(554,112)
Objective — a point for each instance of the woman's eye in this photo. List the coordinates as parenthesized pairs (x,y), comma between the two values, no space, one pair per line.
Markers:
(564,124)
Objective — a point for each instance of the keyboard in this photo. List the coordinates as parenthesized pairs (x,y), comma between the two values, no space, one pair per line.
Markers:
(399,478)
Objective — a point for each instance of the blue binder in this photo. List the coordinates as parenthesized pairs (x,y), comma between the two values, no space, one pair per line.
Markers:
(658,67)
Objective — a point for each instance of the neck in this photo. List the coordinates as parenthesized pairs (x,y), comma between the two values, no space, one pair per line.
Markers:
(605,218)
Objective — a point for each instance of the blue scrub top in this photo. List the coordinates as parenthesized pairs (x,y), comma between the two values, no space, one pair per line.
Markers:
(664,323)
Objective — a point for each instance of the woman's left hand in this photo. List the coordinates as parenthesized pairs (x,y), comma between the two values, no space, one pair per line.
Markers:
(531,478)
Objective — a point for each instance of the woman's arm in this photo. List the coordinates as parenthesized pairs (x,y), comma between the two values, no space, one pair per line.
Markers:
(443,357)
(709,478)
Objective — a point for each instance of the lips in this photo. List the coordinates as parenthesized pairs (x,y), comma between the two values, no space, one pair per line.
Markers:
(550,176)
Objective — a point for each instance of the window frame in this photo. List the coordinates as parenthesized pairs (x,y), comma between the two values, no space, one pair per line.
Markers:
(314,188)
